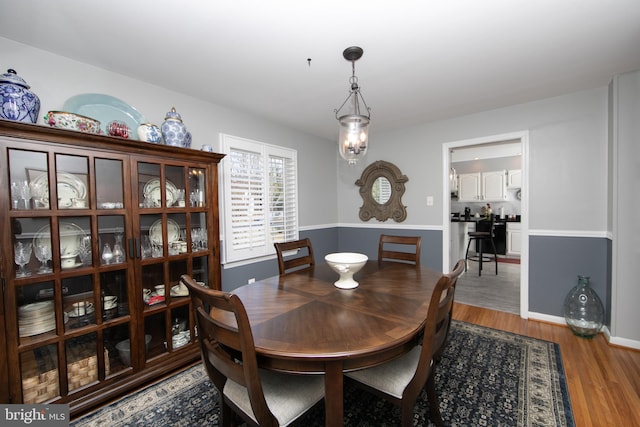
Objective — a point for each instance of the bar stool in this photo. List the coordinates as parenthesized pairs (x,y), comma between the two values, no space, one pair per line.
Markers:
(484,233)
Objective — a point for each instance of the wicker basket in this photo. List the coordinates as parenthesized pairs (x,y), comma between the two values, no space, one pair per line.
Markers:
(40,374)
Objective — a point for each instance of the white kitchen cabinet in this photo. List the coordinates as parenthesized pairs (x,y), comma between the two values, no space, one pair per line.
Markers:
(514,178)
(482,186)
(469,187)
(514,241)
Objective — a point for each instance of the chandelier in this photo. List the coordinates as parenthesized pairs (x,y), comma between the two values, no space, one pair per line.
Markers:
(354,125)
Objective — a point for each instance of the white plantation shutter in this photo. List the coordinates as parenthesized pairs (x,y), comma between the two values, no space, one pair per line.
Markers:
(261,206)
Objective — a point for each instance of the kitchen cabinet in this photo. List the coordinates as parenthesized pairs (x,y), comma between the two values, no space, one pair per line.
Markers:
(513,238)
(514,178)
(482,186)
(98,231)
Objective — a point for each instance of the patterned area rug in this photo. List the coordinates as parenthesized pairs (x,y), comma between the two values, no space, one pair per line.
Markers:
(486,378)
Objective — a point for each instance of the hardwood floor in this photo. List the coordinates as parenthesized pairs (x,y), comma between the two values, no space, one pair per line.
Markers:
(603,380)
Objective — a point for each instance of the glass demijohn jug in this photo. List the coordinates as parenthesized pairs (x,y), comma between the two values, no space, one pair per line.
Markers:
(583,309)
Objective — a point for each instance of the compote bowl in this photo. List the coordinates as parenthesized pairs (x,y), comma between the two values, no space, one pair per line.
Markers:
(346,264)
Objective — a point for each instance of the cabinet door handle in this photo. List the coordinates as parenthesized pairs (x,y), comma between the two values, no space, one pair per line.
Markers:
(133,245)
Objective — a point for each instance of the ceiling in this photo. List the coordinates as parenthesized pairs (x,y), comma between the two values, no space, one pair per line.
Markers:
(282,59)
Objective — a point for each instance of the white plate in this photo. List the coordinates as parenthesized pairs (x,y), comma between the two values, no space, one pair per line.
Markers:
(70,238)
(173,232)
(105,108)
(70,189)
(152,191)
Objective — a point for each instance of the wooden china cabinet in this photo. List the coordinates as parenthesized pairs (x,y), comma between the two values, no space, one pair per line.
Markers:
(96,232)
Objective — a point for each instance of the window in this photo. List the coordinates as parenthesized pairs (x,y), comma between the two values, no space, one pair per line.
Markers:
(260,197)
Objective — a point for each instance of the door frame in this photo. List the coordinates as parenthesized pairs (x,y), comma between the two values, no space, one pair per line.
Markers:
(523,136)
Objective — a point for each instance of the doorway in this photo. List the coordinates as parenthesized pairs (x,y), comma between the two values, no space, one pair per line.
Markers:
(491,143)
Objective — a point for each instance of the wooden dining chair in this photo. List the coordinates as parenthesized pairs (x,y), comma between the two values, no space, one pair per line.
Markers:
(259,397)
(303,259)
(401,380)
(389,251)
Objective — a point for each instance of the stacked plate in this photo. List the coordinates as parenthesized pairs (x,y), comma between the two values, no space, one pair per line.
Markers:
(36,318)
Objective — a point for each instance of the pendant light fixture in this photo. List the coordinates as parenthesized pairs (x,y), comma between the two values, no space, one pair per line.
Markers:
(353,139)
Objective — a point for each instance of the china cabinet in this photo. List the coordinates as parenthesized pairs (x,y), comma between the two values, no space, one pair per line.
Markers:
(97,231)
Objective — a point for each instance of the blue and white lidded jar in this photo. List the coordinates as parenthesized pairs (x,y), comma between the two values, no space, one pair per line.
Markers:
(174,131)
(18,102)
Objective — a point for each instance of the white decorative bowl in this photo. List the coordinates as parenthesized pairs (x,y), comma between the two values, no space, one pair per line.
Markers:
(124,348)
(346,264)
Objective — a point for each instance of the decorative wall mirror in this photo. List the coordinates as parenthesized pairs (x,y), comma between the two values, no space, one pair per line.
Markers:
(381,187)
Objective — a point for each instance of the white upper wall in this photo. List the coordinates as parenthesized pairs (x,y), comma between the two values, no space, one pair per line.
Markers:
(55,79)
(567,161)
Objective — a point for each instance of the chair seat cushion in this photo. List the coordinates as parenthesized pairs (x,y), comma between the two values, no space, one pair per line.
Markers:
(288,396)
(391,377)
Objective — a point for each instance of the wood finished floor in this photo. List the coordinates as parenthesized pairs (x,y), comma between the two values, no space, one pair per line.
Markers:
(603,380)
(497,292)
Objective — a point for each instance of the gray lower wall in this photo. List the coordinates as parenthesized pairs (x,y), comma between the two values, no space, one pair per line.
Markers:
(554,266)
(554,262)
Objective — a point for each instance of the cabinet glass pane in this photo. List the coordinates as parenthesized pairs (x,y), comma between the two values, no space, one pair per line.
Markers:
(32,252)
(117,348)
(71,182)
(79,302)
(72,232)
(26,191)
(155,328)
(175,186)
(113,294)
(113,248)
(82,361)
(199,235)
(200,271)
(109,185)
(36,311)
(180,331)
(176,269)
(152,277)
(197,187)
(149,186)
(39,370)
(151,236)
(176,234)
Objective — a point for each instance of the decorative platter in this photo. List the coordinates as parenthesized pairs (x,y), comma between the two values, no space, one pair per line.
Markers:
(105,108)
(152,191)
(70,238)
(173,232)
(70,189)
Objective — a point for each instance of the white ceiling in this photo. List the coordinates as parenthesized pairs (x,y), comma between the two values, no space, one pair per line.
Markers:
(423,60)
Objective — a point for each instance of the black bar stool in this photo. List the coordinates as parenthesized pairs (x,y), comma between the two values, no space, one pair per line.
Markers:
(484,233)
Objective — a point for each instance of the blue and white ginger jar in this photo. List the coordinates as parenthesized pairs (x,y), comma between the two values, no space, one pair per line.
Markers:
(174,132)
(18,102)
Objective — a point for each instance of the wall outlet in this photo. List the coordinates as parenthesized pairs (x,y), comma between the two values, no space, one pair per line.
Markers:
(250,281)
(429,200)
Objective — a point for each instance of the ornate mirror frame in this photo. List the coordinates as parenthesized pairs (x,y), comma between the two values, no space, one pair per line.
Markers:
(393,208)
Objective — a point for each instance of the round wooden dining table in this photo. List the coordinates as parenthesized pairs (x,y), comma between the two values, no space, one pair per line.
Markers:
(302,323)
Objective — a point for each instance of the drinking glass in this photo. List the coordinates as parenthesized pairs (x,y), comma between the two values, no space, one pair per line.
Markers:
(43,254)
(22,255)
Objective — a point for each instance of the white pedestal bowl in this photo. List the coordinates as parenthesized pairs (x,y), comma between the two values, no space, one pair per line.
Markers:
(346,264)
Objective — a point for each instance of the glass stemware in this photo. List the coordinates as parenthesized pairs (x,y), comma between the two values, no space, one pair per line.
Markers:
(107,254)
(43,254)
(84,250)
(22,255)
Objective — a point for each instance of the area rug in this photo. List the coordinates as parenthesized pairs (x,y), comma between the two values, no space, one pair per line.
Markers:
(486,378)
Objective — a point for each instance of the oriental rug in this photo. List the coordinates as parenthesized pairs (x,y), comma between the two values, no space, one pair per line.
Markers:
(486,378)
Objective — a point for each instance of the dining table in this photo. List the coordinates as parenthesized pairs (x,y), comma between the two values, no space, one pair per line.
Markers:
(303,324)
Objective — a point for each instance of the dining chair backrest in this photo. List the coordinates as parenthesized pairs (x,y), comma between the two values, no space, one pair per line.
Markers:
(301,260)
(389,249)
(444,319)
(227,346)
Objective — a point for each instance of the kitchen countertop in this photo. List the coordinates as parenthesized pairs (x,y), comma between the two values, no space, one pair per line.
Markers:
(473,219)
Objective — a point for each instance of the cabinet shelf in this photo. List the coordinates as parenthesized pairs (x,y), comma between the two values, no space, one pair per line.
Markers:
(77,335)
